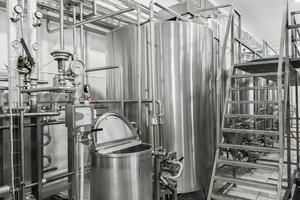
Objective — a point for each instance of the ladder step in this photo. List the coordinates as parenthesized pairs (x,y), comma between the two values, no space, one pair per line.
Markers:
(249,131)
(254,102)
(225,197)
(249,183)
(247,164)
(251,116)
(249,148)
(253,88)
(254,75)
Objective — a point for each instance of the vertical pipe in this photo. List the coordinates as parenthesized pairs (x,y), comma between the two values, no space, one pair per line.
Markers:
(81,146)
(297,122)
(82,42)
(154,121)
(32,35)
(61,24)
(13,77)
(23,191)
(153,74)
(74,33)
(139,62)
(122,89)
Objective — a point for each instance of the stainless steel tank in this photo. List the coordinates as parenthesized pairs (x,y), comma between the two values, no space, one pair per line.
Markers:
(121,165)
(186,87)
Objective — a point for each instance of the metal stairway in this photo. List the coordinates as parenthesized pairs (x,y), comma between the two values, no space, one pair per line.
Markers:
(232,129)
(261,114)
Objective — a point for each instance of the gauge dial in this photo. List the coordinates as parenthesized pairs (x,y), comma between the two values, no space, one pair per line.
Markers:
(18,9)
(77,67)
(38,14)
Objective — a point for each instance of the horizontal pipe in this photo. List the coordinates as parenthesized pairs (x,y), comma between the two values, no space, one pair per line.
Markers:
(170,11)
(49,89)
(49,170)
(102,68)
(3,79)
(30,185)
(42,114)
(4,190)
(102,17)
(3,88)
(118,101)
(58,177)
(215,7)
(32,125)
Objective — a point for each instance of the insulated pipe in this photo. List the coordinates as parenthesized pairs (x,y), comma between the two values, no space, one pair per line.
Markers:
(121,81)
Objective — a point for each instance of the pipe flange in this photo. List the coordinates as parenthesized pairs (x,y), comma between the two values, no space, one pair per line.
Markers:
(61,55)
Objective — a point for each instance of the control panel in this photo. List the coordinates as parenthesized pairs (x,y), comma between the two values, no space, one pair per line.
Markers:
(78,116)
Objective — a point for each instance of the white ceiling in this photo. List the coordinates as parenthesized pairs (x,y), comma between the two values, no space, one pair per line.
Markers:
(262,18)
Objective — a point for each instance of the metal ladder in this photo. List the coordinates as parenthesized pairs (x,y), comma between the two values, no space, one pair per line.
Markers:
(230,125)
(232,128)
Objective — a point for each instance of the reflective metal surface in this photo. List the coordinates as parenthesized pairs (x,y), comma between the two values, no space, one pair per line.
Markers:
(187,78)
(124,171)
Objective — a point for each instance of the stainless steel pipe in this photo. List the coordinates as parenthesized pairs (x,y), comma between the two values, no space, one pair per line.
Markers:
(74,34)
(4,190)
(30,114)
(102,17)
(121,77)
(61,24)
(171,12)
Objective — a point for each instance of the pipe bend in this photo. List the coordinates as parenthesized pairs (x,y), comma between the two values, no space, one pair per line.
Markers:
(175,177)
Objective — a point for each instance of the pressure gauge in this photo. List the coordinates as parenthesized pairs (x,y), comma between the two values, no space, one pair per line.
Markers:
(77,67)
(18,9)
(38,14)
(16,44)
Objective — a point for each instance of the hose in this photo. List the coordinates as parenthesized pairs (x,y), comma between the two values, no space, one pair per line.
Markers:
(167,175)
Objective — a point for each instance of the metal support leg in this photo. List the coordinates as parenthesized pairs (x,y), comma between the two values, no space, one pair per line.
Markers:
(297,121)
(36,157)
(1,154)
(73,165)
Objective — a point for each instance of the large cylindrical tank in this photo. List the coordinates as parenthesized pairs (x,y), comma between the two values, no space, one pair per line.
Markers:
(186,83)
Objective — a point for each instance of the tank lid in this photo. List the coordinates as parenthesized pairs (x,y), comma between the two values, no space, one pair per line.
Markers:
(114,129)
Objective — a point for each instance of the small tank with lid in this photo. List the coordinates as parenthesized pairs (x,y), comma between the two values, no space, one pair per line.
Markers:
(121,165)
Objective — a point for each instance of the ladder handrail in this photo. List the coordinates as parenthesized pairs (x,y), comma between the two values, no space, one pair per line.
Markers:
(219,72)
(219,79)
(280,105)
